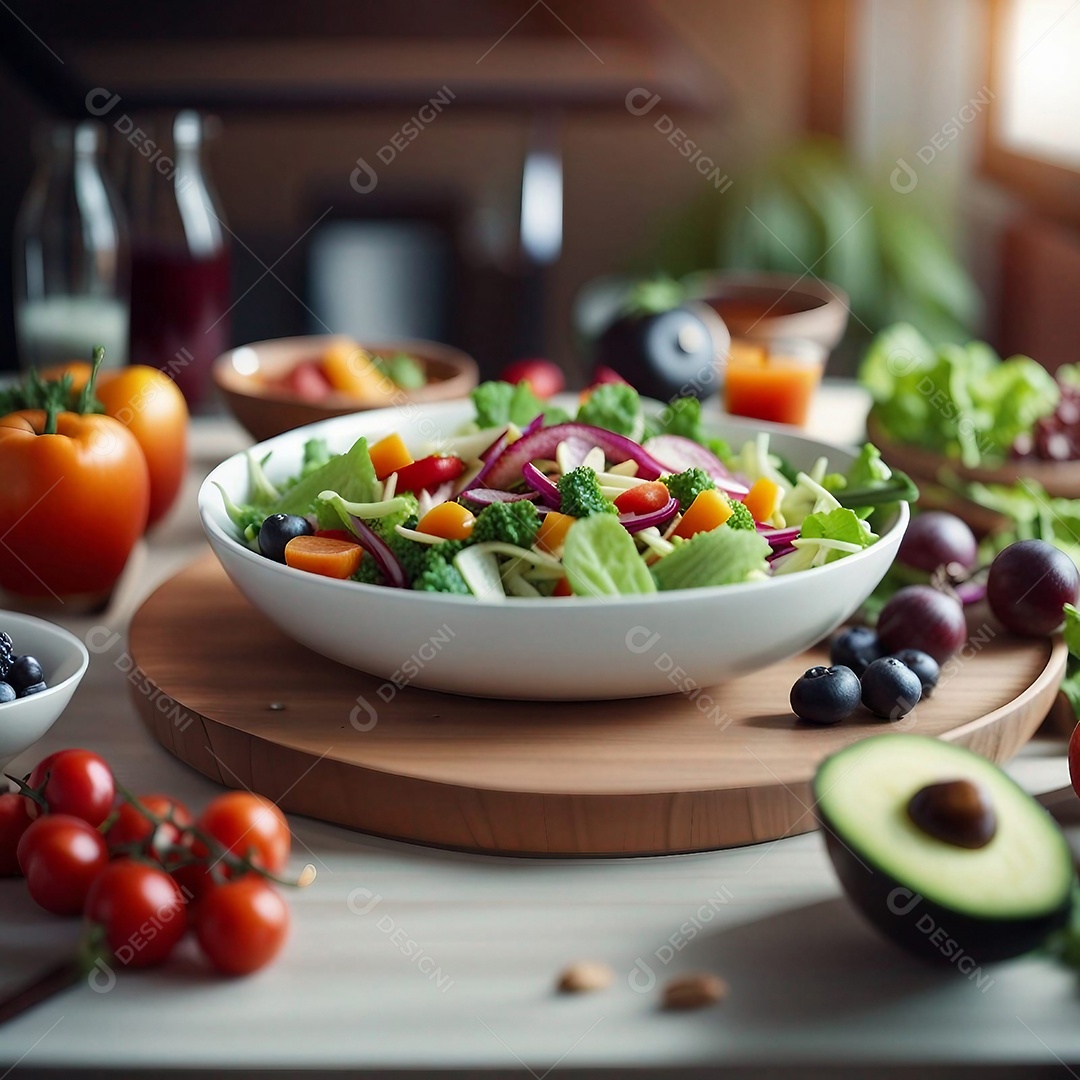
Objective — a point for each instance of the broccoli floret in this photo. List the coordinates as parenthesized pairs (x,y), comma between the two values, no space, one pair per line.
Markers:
(385,526)
(510,522)
(687,486)
(581,494)
(441,576)
(615,407)
(741,518)
(368,572)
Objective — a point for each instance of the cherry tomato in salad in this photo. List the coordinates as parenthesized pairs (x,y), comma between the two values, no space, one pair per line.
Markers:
(15,819)
(140,909)
(132,826)
(544,377)
(60,856)
(429,472)
(242,926)
(643,499)
(249,824)
(75,782)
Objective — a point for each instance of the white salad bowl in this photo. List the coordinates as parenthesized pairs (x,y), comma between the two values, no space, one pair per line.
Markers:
(552,649)
(64,661)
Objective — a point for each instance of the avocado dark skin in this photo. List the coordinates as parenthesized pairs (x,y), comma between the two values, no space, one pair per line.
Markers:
(927,929)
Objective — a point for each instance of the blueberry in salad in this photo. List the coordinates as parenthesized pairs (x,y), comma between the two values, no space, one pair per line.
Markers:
(527,502)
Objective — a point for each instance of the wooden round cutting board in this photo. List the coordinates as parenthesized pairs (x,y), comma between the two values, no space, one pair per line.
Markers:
(225,691)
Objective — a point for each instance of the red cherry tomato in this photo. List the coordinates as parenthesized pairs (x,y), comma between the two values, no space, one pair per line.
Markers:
(429,472)
(249,824)
(307,381)
(60,856)
(194,880)
(74,782)
(604,374)
(241,926)
(14,821)
(544,377)
(643,499)
(132,826)
(140,910)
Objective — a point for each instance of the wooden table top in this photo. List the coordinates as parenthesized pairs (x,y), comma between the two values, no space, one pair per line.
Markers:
(408,958)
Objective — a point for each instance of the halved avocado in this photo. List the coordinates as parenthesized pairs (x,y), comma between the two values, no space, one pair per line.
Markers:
(932,896)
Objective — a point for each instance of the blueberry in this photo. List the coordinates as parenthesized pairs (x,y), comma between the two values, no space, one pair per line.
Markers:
(277,530)
(856,648)
(33,688)
(825,695)
(890,689)
(924,665)
(7,654)
(24,672)
(7,693)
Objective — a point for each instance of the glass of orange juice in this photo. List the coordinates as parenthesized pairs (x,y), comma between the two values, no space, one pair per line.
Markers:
(773,380)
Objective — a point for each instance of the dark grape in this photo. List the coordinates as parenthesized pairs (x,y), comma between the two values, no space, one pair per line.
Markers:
(825,695)
(856,648)
(937,539)
(1029,584)
(920,617)
(924,666)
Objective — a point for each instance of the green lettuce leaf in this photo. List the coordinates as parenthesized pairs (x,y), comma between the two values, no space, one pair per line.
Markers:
(614,407)
(500,403)
(351,475)
(718,557)
(601,559)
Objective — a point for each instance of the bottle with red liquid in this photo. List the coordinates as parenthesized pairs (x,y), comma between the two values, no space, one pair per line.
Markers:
(180,259)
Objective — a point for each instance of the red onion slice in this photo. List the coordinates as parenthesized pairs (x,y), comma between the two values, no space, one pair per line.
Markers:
(541,485)
(677,454)
(636,522)
(387,561)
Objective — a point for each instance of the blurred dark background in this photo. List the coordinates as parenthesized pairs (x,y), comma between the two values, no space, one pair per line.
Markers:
(443,245)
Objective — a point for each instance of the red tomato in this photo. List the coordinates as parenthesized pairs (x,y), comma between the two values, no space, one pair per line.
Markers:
(241,926)
(544,377)
(14,821)
(248,824)
(604,374)
(74,782)
(140,910)
(194,881)
(60,856)
(562,588)
(643,499)
(307,381)
(132,826)
(429,472)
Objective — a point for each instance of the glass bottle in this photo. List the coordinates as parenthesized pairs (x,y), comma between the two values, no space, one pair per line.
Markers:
(71,254)
(180,257)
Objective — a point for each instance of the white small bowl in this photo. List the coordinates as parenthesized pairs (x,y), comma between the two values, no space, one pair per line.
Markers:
(569,648)
(64,661)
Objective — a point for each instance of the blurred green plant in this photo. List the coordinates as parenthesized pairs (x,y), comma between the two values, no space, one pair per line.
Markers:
(809,207)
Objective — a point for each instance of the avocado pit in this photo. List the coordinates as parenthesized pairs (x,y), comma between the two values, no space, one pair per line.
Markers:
(958,812)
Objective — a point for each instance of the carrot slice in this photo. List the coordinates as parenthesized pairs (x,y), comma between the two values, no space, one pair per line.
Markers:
(450,520)
(388,455)
(707,512)
(323,555)
(552,532)
(762,498)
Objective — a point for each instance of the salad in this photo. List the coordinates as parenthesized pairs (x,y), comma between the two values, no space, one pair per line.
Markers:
(527,502)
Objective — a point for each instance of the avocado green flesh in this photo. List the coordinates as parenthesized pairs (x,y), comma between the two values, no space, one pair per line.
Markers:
(1026,871)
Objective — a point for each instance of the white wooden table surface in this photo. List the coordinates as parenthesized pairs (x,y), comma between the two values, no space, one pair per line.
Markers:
(404,958)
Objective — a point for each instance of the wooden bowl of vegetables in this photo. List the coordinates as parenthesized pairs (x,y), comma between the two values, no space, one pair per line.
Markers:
(285,383)
(969,427)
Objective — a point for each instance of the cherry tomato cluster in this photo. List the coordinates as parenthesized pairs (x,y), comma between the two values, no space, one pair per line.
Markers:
(142,870)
